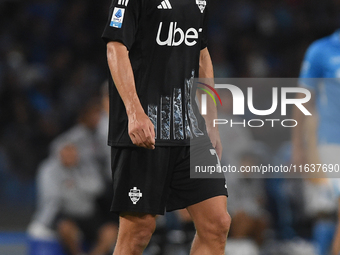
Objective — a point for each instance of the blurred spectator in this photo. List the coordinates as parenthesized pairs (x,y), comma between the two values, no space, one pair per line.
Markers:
(68,188)
(248,202)
(84,149)
(84,134)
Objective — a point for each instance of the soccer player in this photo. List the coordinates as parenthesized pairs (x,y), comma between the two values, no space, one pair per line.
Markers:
(322,60)
(155,49)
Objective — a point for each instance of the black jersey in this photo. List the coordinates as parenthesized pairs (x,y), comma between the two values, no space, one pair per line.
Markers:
(164,39)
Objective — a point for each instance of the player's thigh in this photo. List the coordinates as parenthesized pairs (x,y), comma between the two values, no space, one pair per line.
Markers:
(187,191)
(211,214)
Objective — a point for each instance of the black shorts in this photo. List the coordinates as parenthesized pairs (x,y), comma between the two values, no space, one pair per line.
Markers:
(152,181)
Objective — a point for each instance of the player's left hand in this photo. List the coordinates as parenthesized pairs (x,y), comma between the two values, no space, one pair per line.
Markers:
(215,139)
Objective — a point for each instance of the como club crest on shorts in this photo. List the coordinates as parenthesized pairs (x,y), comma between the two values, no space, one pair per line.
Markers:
(201,4)
(135,195)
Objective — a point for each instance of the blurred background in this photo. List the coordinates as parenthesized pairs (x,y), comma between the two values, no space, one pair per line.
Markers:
(52,63)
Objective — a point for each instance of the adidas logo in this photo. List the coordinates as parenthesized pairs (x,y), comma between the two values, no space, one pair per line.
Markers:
(164,5)
(123,2)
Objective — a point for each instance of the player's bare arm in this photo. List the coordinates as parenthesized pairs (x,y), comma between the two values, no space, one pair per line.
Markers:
(206,71)
(141,129)
(299,151)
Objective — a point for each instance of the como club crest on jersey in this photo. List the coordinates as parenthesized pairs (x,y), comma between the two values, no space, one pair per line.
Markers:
(201,4)
(117,17)
(135,195)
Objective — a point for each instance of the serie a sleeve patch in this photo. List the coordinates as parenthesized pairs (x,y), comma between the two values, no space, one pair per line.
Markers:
(117,17)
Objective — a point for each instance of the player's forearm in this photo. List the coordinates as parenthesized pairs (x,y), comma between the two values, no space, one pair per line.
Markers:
(206,71)
(211,110)
(122,74)
(140,128)
(206,68)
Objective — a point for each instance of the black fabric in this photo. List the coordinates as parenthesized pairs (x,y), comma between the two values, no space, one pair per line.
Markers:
(164,54)
(160,178)
(103,205)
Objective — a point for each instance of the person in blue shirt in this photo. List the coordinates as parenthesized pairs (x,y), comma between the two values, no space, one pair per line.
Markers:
(320,74)
(322,60)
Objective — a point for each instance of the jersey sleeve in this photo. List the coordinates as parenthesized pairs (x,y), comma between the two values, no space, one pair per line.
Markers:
(204,40)
(311,67)
(123,22)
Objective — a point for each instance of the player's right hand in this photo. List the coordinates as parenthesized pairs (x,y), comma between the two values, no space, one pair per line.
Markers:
(141,130)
